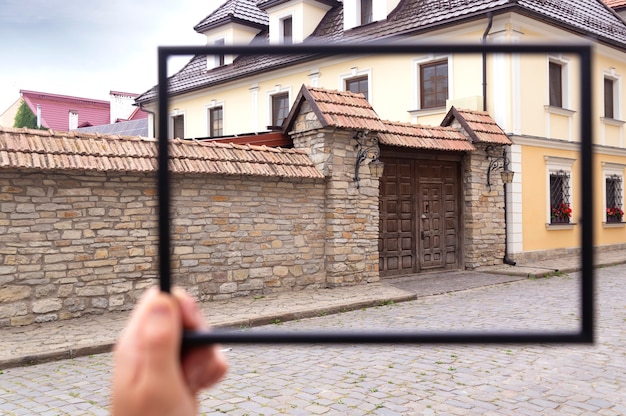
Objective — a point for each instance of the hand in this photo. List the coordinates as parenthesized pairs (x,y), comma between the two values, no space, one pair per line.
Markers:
(150,377)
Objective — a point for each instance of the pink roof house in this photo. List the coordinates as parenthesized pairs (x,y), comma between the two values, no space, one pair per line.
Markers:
(65,113)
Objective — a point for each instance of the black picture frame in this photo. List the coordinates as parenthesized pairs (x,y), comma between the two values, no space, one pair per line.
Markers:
(584,335)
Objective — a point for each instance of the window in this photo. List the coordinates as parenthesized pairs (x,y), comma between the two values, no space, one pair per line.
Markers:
(560,208)
(434,84)
(220,60)
(556,84)
(178,126)
(614,212)
(216,122)
(366,12)
(287,30)
(609,98)
(280,108)
(358,85)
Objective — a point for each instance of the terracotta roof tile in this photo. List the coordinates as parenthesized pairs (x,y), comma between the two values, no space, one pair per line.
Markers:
(424,137)
(344,109)
(341,109)
(615,3)
(47,150)
(479,125)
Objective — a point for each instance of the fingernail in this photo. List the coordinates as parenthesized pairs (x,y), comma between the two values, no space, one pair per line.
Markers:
(158,320)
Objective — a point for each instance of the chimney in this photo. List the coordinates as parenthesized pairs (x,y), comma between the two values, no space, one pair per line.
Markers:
(38,116)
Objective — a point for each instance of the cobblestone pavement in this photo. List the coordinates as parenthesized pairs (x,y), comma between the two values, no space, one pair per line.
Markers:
(395,380)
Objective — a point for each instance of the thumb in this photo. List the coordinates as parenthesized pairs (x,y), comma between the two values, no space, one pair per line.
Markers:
(160,336)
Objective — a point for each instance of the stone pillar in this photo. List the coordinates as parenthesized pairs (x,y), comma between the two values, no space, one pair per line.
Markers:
(484,211)
(352,214)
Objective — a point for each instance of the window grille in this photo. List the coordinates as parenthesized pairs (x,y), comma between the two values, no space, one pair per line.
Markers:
(560,208)
(614,212)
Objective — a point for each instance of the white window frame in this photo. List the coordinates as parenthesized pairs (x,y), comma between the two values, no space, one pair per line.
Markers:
(617,88)
(554,165)
(219,42)
(278,89)
(565,80)
(175,113)
(281,28)
(355,72)
(213,104)
(359,14)
(417,87)
(608,170)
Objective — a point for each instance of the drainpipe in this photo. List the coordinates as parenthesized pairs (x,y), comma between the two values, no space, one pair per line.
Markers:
(484,41)
(506,258)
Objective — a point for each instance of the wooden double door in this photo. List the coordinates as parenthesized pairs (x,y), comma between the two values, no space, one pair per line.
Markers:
(419,216)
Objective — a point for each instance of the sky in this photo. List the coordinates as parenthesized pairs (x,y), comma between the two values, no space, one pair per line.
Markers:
(89,48)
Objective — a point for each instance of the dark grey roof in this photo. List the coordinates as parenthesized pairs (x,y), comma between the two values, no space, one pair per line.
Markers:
(266,4)
(587,18)
(235,11)
(122,128)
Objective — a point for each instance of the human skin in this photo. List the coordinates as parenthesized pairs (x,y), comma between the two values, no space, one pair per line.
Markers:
(150,375)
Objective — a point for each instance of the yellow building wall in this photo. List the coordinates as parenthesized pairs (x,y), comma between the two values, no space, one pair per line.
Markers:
(612,135)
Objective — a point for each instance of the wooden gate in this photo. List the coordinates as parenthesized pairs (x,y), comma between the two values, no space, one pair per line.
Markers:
(419,215)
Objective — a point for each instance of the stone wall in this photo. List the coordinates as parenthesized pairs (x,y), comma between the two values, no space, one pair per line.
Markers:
(484,212)
(74,243)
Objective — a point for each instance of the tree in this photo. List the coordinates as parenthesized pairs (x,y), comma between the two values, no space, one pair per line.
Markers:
(25,117)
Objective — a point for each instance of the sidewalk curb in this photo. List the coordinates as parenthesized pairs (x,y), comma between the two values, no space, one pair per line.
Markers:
(107,347)
(511,270)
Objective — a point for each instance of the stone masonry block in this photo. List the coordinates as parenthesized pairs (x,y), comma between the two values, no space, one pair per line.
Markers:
(47,305)
(10,294)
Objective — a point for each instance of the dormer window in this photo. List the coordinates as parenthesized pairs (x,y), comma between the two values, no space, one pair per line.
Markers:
(367,15)
(220,60)
(286,34)
(292,21)
(362,12)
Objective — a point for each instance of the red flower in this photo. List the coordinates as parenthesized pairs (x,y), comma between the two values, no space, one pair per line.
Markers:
(561,210)
(615,212)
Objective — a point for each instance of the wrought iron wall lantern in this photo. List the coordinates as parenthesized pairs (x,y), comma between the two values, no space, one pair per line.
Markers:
(367,152)
(498,163)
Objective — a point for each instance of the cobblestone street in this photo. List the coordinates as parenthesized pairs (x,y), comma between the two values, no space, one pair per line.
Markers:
(395,380)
